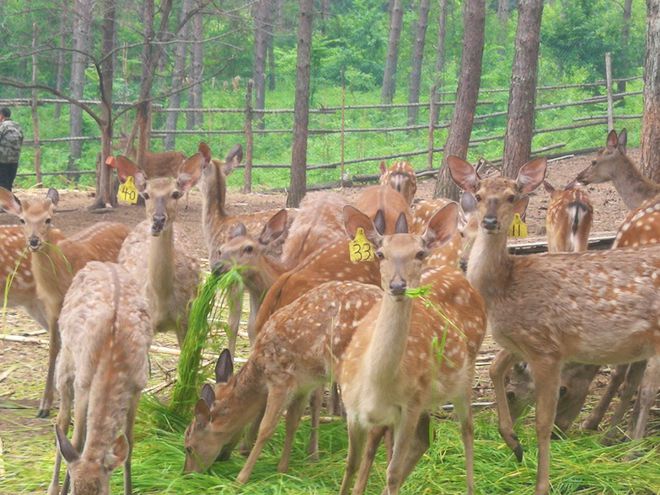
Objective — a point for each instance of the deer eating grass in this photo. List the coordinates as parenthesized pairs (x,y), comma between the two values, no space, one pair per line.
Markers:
(612,164)
(593,308)
(55,259)
(102,369)
(395,371)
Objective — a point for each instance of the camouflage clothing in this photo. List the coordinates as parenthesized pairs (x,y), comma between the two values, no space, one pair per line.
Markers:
(11,139)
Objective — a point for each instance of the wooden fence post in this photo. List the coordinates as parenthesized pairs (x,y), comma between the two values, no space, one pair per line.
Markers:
(342,136)
(608,82)
(432,120)
(249,139)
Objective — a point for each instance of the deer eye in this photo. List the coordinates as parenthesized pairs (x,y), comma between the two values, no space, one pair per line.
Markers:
(22,221)
(477,197)
(248,249)
(511,198)
(420,255)
(176,194)
(145,195)
(380,255)
(48,221)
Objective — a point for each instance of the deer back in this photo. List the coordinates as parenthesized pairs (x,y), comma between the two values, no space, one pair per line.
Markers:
(401,177)
(641,226)
(568,220)
(385,199)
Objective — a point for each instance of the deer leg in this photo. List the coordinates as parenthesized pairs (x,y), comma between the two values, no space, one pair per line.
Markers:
(293,415)
(130,423)
(53,350)
(596,416)
(463,410)
(334,403)
(274,407)
(356,441)
(79,430)
(545,371)
(633,376)
(235,299)
(373,440)
(420,443)
(646,396)
(251,435)
(502,362)
(403,433)
(315,412)
(255,304)
(63,421)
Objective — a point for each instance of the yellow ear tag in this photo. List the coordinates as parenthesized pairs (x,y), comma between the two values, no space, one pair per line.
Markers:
(360,249)
(128,193)
(518,227)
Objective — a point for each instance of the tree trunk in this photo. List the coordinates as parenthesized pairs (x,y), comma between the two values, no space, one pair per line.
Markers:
(197,68)
(262,26)
(35,113)
(325,14)
(474,17)
(650,141)
(270,47)
(440,56)
(416,65)
(178,74)
(625,40)
(389,76)
(522,93)
(503,11)
(82,16)
(59,78)
(298,185)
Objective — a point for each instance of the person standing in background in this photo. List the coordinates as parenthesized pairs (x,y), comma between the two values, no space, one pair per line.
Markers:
(11,140)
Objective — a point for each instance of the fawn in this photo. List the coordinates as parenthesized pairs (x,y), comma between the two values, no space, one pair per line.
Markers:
(612,164)
(592,308)
(172,274)
(299,349)
(569,218)
(401,177)
(102,369)
(394,372)
(161,164)
(55,259)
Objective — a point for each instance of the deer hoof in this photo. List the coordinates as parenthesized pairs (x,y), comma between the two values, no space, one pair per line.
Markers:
(43,413)
(518,451)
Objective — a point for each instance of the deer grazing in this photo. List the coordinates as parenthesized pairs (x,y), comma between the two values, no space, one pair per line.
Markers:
(298,350)
(102,368)
(172,275)
(401,177)
(593,308)
(394,372)
(612,164)
(55,259)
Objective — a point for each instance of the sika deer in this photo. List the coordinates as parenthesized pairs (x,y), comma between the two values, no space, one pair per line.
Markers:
(393,372)
(401,177)
(162,164)
(103,367)
(172,274)
(569,218)
(612,164)
(592,308)
(299,349)
(56,259)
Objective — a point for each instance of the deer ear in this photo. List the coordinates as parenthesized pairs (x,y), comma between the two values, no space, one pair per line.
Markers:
(202,413)
(442,226)
(549,188)
(140,182)
(118,455)
(623,140)
(224,368)
(612,140)
(355,219)
(531,175)
(9,202)
(238,230)
(185,181)
(468,202)
(208,394)
(205,151)
(463,174)
(67,450)
(275,227)
(401,226)
(53,195)
(235,154)
(383,167)
(192,166)
(520,206)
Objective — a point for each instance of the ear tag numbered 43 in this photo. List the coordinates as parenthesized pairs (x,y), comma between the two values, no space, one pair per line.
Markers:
(360,249)
(518,228)
(128,193)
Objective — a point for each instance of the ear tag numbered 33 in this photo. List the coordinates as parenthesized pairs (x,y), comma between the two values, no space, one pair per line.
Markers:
(360,249)
(518,228)
(128,193)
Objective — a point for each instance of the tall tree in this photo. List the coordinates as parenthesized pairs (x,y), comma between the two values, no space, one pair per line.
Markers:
(625,40)
(651,119)
(389,76)
(522,92)
(262,26)
(443,6)
(82,23)
(474,20)
(197,69)
(298,184)
(416,62)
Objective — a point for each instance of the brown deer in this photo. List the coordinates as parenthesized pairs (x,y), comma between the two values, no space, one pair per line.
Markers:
(172,274)
(56,259)
(612,164)
(592,308)
(299,349)
(401,177)
(102,368)
(569,218)
(395,371)
(160,164)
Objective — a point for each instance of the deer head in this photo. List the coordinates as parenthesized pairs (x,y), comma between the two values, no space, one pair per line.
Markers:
(36,215)
(604,167)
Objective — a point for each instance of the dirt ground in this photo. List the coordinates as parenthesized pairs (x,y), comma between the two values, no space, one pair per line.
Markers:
(23,364)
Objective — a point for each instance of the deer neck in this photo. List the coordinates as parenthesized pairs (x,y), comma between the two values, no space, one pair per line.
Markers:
(388,340)
(160,265)
(213,207)
(249,394)
(489,265)
(264,278)
(631,185)
(53,268)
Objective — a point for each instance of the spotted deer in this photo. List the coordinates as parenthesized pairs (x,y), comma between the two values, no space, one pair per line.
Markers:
(594,308)
(102,368)
(569,218)
(299,349)
(401,177)
(55,259)
(612,164)
(394,371)
(172,274)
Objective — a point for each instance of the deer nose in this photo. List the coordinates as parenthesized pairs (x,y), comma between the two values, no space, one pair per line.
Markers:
(397,287)
(34,242)
(489,223)
(220,268)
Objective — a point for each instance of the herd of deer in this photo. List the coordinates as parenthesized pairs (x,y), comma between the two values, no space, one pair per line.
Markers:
(317,317)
